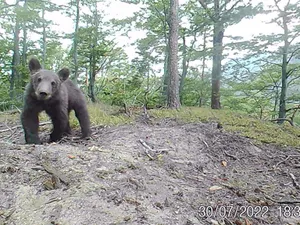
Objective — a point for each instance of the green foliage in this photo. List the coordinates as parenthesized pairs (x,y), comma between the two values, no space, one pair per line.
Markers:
(255,92)
(195,90)
(130,91)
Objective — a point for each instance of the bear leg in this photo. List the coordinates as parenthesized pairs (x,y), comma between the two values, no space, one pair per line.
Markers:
(83,117)
(60,120)
(30,123)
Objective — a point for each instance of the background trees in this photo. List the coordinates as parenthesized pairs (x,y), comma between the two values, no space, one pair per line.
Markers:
(216,65)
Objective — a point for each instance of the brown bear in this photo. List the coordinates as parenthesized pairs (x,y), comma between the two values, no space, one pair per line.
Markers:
(57,95)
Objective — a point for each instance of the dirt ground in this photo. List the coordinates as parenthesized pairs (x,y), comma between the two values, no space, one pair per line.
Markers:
(159,173)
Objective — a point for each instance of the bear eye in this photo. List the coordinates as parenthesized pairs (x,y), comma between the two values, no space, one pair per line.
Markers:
(52,83)
(39,79)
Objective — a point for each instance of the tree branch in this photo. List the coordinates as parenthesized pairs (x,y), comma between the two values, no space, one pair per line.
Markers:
(291,71)
(159,14)
(294,37)
(266,61)
(277,6)
(8,6)
(294,78)
(292,55)
(294,108)
(207,10)
(232,7)
(243,66)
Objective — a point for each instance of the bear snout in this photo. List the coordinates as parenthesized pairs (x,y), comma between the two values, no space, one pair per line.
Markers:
(42,95)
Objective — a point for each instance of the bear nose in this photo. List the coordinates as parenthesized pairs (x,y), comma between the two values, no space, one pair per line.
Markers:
(43,94)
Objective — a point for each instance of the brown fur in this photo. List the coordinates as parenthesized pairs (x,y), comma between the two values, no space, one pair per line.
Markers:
(57,95)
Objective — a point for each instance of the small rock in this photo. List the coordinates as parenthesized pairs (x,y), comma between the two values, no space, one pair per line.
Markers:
(127,218)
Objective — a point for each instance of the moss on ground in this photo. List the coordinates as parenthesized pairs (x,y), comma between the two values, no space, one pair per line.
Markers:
(260,130)
(238,122)
(99,115)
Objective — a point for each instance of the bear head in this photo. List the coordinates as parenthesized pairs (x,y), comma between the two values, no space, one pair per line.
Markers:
(45,82)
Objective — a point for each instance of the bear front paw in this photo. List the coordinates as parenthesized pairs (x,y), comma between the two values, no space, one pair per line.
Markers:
(54,137)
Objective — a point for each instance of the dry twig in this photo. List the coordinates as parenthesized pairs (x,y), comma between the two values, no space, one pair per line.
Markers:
(147,148)
(48,168)
(282,201)
(231,156)
(20,126)
(296,184)
(289,156)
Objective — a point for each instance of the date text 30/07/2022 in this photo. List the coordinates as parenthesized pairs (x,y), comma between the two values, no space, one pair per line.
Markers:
(231,211)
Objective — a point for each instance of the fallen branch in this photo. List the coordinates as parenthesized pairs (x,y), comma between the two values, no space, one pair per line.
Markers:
(147,148)
(283,119)
(20,126)
(10,112)
(282,201)
(294,181)
(289,156)
(204,142)
(146,112)
(231,156)
(54,200)
(282,161)
(48,168)
(7,214)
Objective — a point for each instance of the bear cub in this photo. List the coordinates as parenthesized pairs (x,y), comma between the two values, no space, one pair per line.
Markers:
(57,95)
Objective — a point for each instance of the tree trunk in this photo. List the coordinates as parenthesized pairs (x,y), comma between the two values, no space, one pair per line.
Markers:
(282,101)
(217,64)
(166,74)
(217,56)
(284,75)
(173,87)
(93,70)
(203,70)
(92,87)
(24,49)
(44,40)
(75,56)
(275,102)
(14,79)
(91,91)
(184,67)
(166,63)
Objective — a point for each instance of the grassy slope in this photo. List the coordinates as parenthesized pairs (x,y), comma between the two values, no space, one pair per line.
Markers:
(261,131)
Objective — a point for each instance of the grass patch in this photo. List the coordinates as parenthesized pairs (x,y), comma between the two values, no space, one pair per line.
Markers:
(241,123)
(6,117)
(102,115)
(99,115)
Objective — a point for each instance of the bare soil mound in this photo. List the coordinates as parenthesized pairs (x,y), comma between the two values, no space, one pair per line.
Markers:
(160,173)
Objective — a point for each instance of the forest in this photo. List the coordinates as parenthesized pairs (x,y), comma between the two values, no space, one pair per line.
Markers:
(182,54)
(193,108)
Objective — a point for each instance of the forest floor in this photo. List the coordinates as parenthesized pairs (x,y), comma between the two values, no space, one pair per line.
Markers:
(158,171)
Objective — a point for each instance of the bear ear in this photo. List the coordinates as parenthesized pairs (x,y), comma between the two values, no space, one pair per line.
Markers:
(34,65)
(64,74)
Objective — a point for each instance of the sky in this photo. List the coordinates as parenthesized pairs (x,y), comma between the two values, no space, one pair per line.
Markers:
(115,10)
(247,28)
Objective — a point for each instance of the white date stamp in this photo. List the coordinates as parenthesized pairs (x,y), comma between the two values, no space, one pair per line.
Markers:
(231,211)
(289,211)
